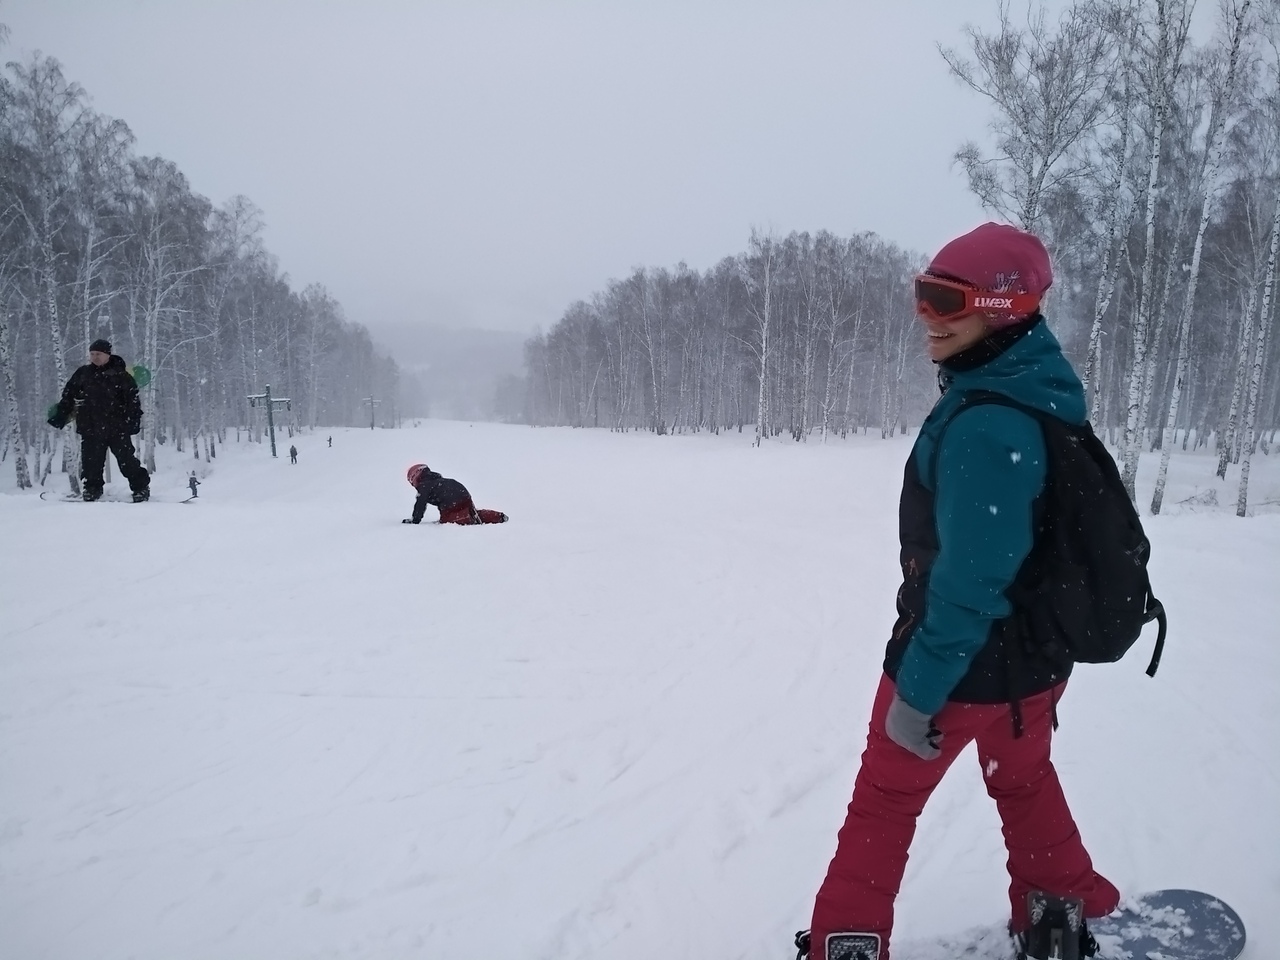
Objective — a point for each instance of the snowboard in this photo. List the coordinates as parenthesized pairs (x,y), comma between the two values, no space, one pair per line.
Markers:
(1161,925)
(1171,925)
(51,497)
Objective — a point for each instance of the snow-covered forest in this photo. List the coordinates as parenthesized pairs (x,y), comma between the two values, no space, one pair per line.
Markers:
(1147,160)
(96,241)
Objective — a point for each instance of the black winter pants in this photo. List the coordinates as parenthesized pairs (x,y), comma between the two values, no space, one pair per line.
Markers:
(93,457)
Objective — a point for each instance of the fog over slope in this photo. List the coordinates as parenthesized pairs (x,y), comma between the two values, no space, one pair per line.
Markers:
(451,373)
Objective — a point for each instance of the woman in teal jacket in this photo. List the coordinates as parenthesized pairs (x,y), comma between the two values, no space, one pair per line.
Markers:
(966,523)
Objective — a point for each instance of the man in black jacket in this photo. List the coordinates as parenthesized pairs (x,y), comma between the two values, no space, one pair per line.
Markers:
(448,496)
(103,399)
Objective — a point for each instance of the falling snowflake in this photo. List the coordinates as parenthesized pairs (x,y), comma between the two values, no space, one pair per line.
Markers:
(1016,456)
(994,509)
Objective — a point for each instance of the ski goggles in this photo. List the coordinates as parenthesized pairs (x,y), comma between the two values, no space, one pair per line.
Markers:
(946,300)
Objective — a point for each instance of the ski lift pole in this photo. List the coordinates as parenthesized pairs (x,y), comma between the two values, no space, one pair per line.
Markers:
(372,405)
(270,403)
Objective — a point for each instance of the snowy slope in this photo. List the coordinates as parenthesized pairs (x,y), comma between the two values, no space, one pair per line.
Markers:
(277,724)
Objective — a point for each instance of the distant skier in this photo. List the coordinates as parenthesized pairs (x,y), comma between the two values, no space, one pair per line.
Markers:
(192,482)
(448,496)
(331,441)
(293,454)
(103,399)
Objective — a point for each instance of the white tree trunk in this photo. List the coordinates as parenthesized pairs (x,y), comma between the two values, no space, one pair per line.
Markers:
(761,309)
(1213,158)
(1227,440)
(150,419)
(71,449)
(1110,268)
(762,409)
(1137,375)
(1259,358)
(21,471)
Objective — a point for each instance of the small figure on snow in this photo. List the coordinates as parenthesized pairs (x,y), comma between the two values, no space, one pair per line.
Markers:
(448,496)
(957,669)
(293,454)
(192,482)
(331,441)
(103,398)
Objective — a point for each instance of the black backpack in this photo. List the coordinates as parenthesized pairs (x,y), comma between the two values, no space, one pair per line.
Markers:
(1083,594)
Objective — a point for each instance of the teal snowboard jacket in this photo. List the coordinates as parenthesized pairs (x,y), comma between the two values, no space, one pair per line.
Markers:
(991,467)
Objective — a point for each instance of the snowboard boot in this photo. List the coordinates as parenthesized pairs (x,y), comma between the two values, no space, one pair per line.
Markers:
(91,495)
(842,946)
(1058,930)
(141,496)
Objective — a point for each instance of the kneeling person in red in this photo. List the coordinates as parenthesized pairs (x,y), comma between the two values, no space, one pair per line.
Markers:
(448,496)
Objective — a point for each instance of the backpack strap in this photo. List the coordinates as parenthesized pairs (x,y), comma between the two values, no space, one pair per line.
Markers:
(1155,611)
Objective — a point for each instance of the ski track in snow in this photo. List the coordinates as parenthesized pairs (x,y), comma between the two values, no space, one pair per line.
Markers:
(276,724)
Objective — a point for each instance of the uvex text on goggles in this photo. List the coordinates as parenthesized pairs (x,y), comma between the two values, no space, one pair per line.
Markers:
(944,300)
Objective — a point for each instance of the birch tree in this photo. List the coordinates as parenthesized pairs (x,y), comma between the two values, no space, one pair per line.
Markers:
(1237,25)
(1116,155)
(50,115)
(1049,86)
(758,269)
(13,423)
(1163,61)
(97,242)
(1259,353)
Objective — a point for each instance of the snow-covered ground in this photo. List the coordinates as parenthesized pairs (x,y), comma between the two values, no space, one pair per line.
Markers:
(278,724)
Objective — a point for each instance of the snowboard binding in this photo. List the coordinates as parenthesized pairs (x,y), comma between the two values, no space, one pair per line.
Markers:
(842,946)
(1057,929)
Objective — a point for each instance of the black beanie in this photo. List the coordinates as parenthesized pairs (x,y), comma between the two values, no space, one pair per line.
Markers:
(100,346)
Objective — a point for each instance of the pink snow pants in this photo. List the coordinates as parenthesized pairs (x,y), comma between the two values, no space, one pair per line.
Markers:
(1045,850)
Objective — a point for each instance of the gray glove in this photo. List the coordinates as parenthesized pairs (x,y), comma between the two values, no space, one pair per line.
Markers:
(912,730)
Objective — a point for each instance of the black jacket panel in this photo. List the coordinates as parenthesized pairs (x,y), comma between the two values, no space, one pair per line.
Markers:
(1004,670)
(440,492)
(103,400)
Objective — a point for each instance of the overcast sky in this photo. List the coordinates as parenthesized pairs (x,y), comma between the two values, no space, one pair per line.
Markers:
(484,163)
